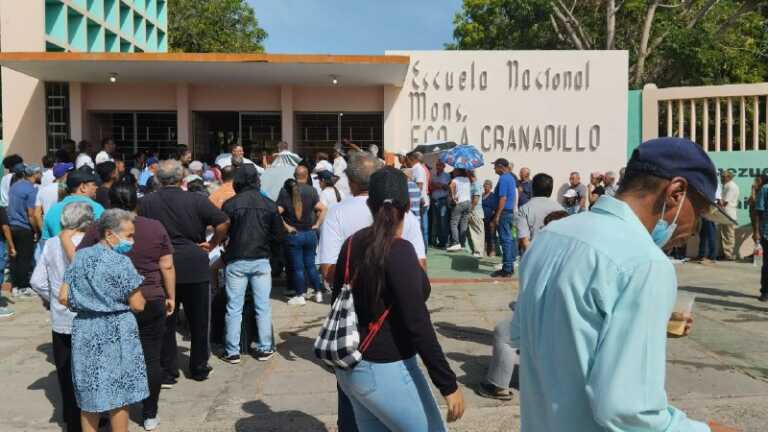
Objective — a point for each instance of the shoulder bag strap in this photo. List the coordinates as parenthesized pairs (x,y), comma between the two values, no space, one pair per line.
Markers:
(346,264)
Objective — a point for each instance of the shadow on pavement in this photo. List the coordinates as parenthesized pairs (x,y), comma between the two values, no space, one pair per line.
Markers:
(474,368)
(715,292)
(49,385)
(762,372)
(466,263)
(462,333)
(294,346)
(264,419)
(723,303)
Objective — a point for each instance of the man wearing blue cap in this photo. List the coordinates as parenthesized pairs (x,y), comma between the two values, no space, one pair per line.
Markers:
(21,218)
(597,292)
(149,171)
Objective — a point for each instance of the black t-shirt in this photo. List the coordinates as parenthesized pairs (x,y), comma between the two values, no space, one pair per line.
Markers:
(3,218)
(102,197)
(408,329)
(599,191)
(185,216)
(309,200)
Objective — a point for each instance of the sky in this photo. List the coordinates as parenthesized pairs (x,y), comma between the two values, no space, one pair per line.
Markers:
(355,26)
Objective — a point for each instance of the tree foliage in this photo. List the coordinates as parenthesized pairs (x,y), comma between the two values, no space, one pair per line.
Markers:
(680,42)
(214,26)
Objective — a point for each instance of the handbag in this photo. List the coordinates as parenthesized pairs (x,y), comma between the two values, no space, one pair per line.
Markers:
(338,344)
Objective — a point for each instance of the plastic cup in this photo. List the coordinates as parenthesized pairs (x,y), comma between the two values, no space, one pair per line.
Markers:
(682,311)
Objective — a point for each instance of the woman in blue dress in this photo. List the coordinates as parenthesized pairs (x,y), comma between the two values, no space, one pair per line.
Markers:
(101,286)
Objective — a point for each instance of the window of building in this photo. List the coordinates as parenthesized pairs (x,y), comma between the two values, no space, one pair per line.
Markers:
(321,131)
(57,114)
(137,131)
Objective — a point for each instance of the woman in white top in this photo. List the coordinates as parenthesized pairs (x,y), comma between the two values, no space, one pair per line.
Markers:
(46,281)
(461,196)
(329,194)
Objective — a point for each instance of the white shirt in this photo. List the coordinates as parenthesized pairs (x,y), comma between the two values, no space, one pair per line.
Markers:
(328,197)
(731,194)
(5,187)
(350,216)
(420,176)
(339,166)
(224,162)
(83,159)
(463,187)
(47,196)
(47,178)
(103,156)
(47,278)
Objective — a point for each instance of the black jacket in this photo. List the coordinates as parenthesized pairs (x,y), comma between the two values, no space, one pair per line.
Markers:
(256,229)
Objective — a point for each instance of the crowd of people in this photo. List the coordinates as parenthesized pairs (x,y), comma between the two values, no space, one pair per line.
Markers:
(117,253)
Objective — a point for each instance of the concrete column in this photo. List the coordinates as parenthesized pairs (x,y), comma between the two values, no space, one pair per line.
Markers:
(76,111)
(286,114)
(390,119)
(183,125)
(650,112)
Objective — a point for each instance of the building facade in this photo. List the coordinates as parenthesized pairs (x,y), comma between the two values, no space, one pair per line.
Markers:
(36,114)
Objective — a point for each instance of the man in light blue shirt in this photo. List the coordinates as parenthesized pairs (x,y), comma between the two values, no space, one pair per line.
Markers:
(597,292)
(81,184)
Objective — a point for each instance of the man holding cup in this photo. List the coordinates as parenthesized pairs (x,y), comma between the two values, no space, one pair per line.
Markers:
(597,361)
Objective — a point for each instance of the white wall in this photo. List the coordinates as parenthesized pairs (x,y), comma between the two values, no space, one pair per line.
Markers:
(484,98)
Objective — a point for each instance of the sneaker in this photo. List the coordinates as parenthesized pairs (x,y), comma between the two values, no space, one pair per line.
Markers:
(15,292)
(168,383)
(151,424)
(6,312)
(318,296)
(297,301)
(264,355)
(490,391)
(231,359)
(29,292)
(454,248)
(501,274)
(477,255)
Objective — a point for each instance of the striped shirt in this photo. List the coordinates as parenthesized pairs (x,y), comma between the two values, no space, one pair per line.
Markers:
(414,193)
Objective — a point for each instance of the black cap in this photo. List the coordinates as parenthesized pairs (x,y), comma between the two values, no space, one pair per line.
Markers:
(325,176)
(80,176)
(388,185)
(679,157)
(501,162)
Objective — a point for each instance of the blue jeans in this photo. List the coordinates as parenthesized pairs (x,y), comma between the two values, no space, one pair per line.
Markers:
(707,240)
(425,226)
(391,397)
(440,221)
(507,241)
(301,250)
(239,274)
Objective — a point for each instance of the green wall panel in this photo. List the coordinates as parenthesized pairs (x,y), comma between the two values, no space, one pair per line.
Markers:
(56,21)
(635,120)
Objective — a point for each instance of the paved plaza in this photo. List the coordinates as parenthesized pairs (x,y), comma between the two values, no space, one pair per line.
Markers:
(720,372)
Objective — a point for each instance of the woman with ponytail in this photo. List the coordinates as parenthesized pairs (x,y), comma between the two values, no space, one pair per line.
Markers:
(302,213)
(387,389)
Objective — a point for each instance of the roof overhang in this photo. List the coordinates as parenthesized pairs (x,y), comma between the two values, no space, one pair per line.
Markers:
(209,68)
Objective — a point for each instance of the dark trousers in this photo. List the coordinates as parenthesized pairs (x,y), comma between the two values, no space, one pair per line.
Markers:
(22,265)
(195,297)
(764,273)
(346,414)
(707,240)
(62,356)
(151,323)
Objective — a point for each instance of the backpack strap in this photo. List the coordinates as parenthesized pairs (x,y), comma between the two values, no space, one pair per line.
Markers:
(346,265)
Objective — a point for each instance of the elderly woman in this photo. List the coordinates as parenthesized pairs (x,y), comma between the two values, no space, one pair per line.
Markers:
(102,287)
(46,281)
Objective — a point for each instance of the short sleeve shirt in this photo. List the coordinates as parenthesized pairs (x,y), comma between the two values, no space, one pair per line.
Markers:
(151,243)
(507,187)
(185,216)
(420,176)
(21,198)
(47,196)
(52,220)
(309,200)
(530,217)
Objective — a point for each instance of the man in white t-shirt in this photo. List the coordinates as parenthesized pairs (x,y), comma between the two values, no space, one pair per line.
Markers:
(346,218)
(9,163)
(84,158)
(421,177)
(107,150)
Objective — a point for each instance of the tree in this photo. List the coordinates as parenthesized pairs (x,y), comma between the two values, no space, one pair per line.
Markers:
(682,42)
(214,26)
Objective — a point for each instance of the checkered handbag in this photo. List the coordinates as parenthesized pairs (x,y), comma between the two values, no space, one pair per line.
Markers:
(338,344)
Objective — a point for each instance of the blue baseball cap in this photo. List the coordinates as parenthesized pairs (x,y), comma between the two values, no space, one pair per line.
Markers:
(152,161)
(679,157)
(62,168)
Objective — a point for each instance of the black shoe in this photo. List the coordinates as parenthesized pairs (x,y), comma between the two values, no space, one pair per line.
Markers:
(264,355)
(763,298)
(490,391)
(501,274)
(231,359)
(204,375)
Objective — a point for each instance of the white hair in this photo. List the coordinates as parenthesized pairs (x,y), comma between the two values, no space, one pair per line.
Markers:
(76,216)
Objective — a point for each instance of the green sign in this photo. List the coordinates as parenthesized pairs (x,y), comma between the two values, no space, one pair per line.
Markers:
(745,165)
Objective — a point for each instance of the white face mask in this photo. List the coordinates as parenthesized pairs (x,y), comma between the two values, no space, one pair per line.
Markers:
(663,231)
